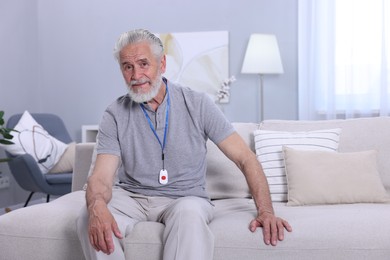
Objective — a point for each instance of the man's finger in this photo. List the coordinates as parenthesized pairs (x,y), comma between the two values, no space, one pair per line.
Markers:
(253,225)
(287,226)
(280,231)
(102,242)
(108,241)
(116,230)
(266,232)
(274,232)
(93,242)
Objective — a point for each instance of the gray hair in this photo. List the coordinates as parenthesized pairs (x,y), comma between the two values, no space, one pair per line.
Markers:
(136,36)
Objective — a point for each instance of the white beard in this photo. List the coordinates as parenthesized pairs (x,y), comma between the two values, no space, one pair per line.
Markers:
(145,97)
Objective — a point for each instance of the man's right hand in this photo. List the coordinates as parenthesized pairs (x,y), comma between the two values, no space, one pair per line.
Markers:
(101,226)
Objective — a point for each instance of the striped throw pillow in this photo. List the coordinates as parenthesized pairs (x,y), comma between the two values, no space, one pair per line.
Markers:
(269,145)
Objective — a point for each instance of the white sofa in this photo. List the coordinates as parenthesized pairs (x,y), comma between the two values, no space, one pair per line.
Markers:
(339,231)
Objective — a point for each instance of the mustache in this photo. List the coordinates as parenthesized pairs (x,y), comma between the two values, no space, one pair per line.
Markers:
(138,82)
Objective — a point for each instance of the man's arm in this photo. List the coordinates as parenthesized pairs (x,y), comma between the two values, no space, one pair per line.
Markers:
(99,191)
(238,151)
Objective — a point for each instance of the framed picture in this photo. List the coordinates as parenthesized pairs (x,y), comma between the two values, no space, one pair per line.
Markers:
(199,60)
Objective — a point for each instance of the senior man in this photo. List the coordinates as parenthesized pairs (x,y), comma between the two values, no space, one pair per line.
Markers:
(155,138)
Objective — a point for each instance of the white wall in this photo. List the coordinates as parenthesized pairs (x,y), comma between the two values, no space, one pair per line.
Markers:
(56,56)
(19,71)
(80,76)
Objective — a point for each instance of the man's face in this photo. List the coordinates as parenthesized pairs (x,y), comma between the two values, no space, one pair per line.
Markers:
(141,71)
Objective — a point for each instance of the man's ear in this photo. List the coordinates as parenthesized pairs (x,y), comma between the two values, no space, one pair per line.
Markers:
(163,64)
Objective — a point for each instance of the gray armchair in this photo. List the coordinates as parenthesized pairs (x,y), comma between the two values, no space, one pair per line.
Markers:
(26,170)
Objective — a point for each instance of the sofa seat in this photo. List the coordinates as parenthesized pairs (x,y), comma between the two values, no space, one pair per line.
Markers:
(319,231)
(44,231)
(233,240)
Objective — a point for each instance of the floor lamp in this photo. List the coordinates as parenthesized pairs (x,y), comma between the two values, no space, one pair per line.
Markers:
(262,57)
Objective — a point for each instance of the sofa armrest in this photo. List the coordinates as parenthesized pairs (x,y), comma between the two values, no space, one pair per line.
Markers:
(82,164)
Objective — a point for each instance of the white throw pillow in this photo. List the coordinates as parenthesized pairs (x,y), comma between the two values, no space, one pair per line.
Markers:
(268,145)
(33,139)
(322,177)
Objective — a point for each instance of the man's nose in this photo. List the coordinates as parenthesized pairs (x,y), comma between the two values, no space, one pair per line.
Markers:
(137,74)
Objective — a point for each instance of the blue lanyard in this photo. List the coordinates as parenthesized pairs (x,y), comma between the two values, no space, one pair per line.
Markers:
(166,123)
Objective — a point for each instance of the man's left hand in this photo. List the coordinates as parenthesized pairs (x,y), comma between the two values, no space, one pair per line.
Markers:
(273,227)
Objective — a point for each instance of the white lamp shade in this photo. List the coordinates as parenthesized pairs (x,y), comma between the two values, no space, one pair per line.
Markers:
(262,55)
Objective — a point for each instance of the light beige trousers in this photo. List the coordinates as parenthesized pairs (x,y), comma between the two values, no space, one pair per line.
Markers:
(186,234)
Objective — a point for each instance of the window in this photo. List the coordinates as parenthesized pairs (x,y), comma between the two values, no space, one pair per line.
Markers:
(344,53)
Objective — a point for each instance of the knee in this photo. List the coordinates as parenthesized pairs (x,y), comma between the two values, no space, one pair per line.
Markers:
(192,209)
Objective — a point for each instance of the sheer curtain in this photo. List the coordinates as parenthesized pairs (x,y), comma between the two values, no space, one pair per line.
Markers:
(344,54)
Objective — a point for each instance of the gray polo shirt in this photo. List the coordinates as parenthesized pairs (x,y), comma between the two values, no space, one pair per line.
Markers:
(193,118)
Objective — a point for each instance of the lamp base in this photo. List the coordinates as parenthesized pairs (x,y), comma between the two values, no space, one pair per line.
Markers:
(261,99)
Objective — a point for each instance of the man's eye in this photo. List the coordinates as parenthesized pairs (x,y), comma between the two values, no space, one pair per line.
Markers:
(128,67)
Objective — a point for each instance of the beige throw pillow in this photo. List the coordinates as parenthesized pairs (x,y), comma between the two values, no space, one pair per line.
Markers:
(323,177)
(66,162)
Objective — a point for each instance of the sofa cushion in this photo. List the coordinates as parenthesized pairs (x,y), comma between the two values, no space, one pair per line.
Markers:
(224,179)
(44,231)
(269,153)
(321,177)
(319,232)
(85,153)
